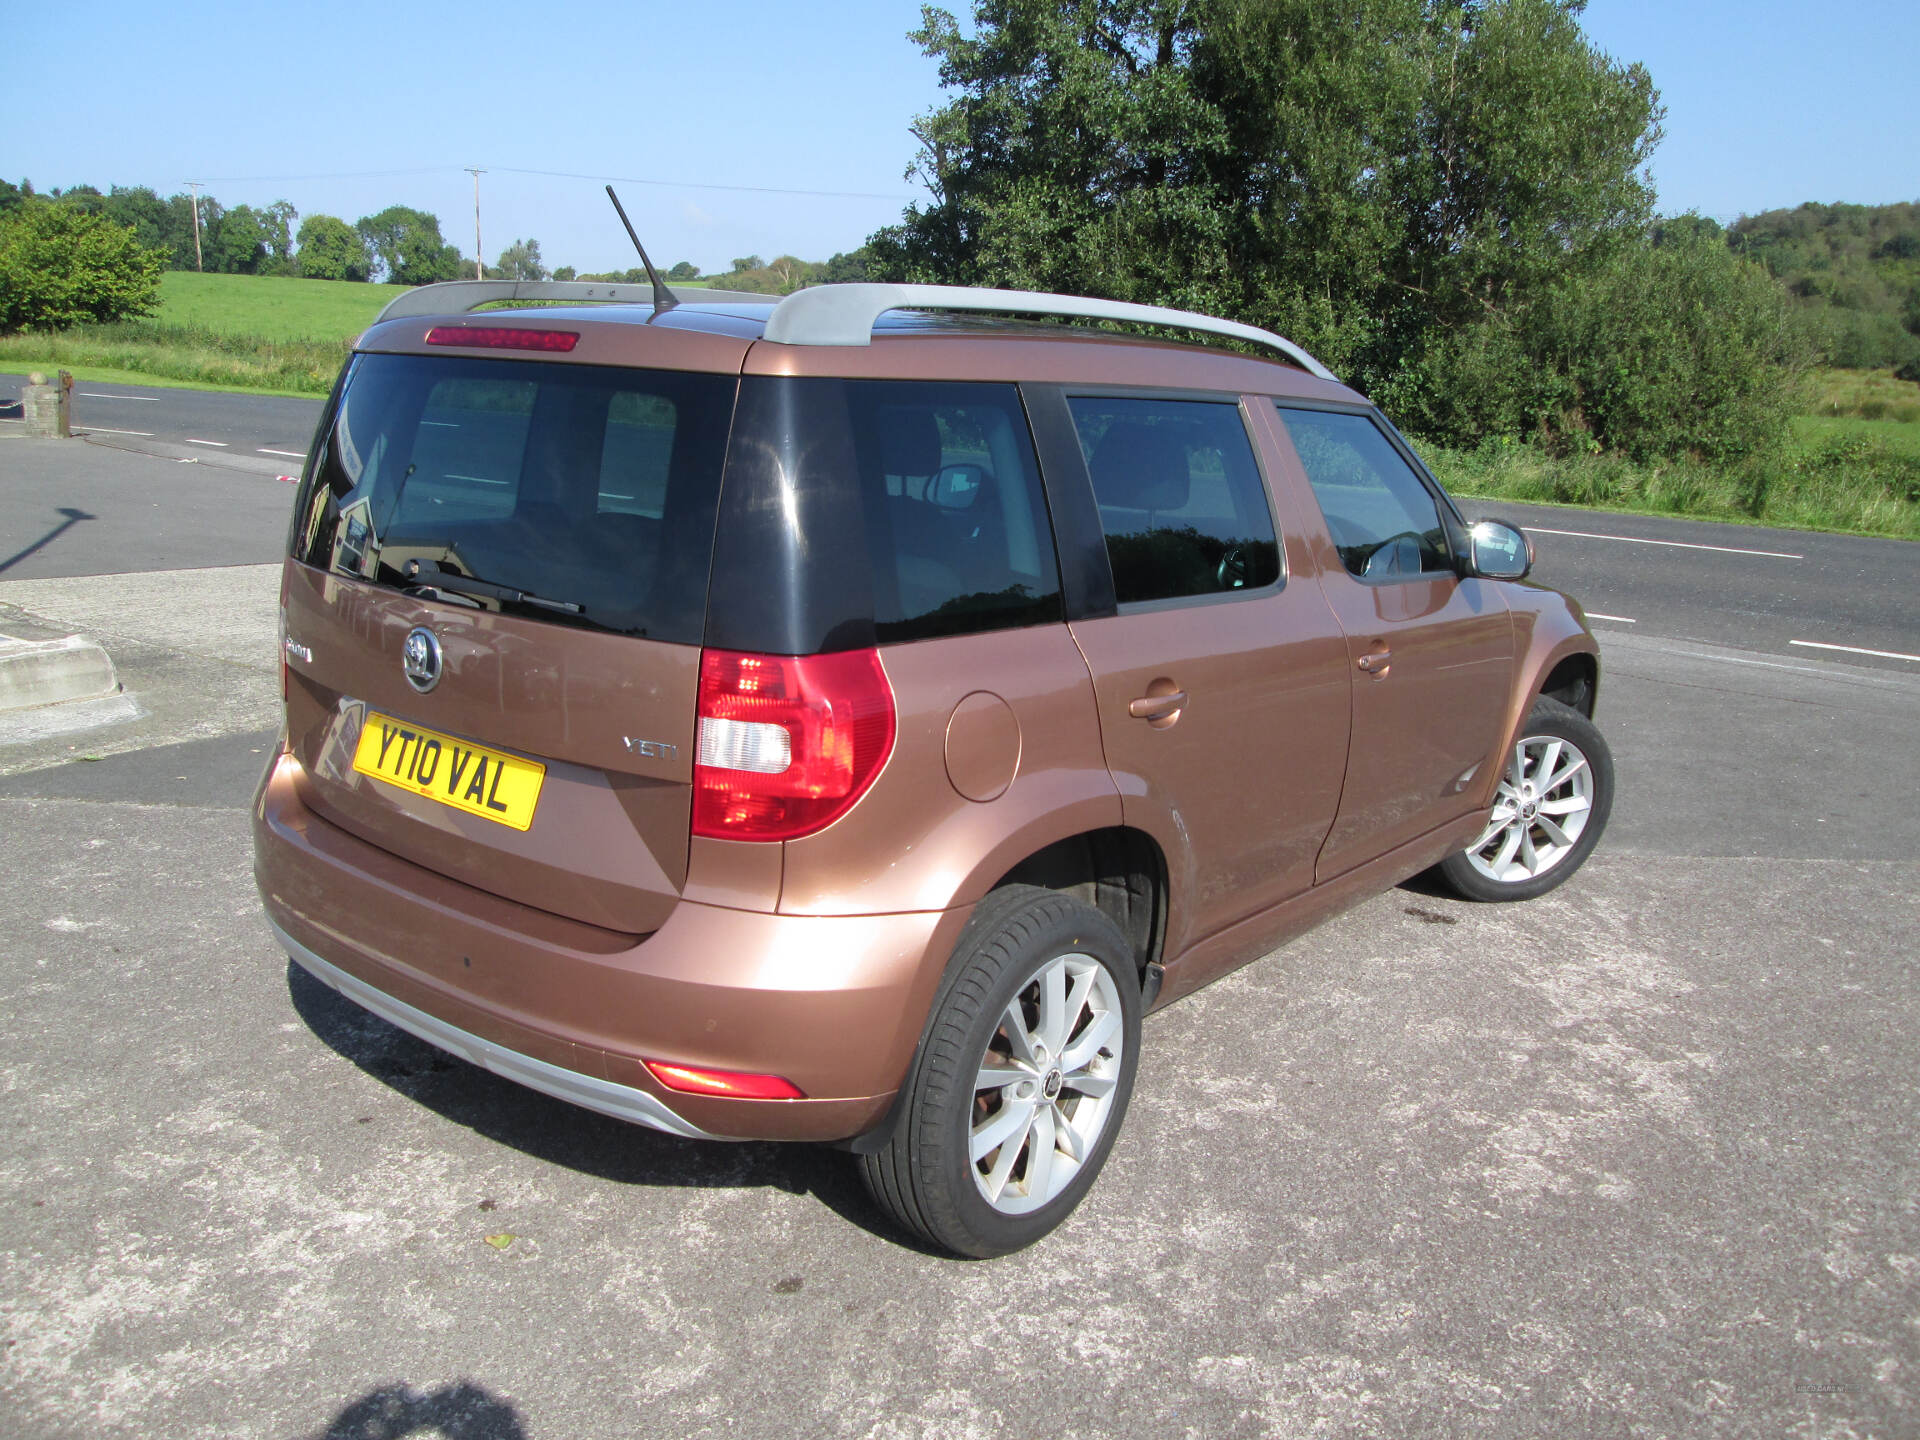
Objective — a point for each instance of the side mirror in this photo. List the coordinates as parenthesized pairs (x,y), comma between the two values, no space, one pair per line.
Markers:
(1498,551)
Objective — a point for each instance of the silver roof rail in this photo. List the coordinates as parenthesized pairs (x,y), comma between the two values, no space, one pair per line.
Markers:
(457,297)
(845,314)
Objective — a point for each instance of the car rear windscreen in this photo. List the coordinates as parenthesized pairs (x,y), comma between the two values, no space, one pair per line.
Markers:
(580,494)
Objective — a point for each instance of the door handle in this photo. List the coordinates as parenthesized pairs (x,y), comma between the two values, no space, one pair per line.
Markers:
(1158,711)
(1376,663)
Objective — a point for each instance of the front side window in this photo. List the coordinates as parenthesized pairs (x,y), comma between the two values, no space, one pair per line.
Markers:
(1384,522)
(589,492)
(1181,500)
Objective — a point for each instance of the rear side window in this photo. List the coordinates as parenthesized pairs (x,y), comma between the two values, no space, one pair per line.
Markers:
(862,512)
(954,514)
(1181,499)
(588,491)
(1385,523)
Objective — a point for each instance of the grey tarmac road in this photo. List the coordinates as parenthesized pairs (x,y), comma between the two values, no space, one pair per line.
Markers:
(260,434)
(1637,1159)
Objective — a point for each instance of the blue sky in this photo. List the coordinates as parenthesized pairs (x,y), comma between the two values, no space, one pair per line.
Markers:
(347,107)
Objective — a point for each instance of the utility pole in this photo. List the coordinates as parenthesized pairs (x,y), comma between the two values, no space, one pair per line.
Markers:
(194,185)
(479,266)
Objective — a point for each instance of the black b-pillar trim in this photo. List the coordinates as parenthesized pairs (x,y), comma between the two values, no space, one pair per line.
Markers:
(1086,577)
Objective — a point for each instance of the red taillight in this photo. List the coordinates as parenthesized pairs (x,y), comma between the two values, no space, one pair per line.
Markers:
(786,745)
(728,1084)
(499,337)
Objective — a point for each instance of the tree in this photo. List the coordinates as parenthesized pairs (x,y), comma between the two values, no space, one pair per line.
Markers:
(1673,345)
(331,249)
(520,261)
(407,247)
(241,242)
(1854,272)
(277,223)
(684,270)
(12,196)
(1375,178)
(147,215)
(749,262)
(60,266)
(848,267)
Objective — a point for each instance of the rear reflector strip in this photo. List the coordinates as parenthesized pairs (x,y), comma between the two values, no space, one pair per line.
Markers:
(496,337)
(728,1084)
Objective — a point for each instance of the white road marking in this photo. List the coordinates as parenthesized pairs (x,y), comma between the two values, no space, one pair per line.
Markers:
(290,454)
(1675,544)
(102,395)
(1617,619)
(103,430)
(1855,650)
(221,444)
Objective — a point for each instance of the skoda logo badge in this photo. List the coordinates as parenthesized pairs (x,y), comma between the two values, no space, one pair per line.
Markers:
(420,659)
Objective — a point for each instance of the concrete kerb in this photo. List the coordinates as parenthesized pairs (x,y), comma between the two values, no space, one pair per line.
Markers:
(35,674)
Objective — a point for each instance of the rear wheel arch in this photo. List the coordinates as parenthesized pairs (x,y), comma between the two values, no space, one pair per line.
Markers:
(1117,870)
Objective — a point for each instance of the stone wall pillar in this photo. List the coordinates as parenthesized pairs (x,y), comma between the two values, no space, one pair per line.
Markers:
(48,409)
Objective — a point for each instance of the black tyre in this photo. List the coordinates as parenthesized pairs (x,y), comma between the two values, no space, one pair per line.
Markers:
(1550,812)
(1023,1082)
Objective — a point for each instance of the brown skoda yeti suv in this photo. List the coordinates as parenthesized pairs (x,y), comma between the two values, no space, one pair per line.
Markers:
(840,719)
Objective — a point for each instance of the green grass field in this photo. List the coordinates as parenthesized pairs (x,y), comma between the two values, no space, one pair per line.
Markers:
(1864,395)
(1858,477)
(1900,439)
(270,306)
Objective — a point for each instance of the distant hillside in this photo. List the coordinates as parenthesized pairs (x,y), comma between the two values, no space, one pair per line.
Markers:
(1855,269)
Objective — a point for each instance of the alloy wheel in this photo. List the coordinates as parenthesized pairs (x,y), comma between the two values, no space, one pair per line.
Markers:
(1046,1083)
(1539,813)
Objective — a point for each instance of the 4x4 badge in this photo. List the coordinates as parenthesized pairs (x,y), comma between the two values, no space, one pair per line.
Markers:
(420,659)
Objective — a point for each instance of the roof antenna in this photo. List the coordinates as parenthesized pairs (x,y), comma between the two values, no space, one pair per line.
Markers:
(663,299)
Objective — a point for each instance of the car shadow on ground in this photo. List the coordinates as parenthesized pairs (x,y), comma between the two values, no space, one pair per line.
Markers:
(563,1134)
(464,1411)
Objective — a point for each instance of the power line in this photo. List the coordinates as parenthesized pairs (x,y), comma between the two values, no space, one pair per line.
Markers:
(562,175)
(697,185)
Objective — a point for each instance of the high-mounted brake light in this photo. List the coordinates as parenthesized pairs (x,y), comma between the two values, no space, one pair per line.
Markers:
(787,744)
(728,1084)
(498,337)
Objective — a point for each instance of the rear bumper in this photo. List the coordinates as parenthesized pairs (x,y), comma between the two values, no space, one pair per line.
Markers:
(623,1102)
(834,1004)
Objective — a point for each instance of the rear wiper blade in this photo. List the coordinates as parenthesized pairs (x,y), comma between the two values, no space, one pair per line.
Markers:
(430,575)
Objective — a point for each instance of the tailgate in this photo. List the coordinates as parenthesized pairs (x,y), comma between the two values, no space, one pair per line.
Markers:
(592,821)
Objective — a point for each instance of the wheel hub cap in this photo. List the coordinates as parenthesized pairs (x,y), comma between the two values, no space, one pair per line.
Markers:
(1051,1089)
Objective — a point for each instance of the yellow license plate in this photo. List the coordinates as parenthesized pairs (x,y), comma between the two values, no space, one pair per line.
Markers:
(468,777)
